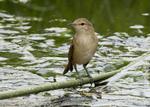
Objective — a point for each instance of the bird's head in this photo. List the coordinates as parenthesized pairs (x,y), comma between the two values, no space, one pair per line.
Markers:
(82,25)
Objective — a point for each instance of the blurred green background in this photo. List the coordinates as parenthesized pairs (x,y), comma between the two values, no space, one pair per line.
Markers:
(108,16)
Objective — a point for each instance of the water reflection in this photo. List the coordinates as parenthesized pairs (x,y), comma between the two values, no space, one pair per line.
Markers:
(47,52)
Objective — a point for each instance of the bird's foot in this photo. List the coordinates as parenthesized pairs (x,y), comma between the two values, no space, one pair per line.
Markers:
(81,81)
(91,80)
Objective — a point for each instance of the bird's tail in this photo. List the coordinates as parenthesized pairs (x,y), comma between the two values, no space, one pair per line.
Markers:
(68,67)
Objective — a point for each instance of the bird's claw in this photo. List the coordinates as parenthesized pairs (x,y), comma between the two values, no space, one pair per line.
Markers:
(91,80)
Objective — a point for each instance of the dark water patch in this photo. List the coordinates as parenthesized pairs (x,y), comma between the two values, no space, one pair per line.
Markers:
(107,16)
(10,55)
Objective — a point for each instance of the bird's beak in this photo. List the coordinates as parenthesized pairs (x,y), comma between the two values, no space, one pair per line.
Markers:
(71,24)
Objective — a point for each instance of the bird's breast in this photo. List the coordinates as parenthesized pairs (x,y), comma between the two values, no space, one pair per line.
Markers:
(84,48)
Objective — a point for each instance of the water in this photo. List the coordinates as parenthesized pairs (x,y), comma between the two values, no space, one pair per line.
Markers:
(34,35)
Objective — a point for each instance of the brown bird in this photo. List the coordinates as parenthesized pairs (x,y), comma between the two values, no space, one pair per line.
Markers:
(83,45)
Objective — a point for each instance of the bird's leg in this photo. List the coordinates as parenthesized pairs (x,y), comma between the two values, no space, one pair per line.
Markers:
(84,66)
(81,80)
(75,67)
(91,79)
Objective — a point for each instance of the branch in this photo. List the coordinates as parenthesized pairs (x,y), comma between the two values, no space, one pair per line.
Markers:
(53,86)
(68,84)
(131,66)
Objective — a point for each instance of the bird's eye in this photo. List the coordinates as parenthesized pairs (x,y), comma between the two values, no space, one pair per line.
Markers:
(82,24)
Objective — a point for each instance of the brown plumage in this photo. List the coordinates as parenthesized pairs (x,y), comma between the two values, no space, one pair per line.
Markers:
(83,45)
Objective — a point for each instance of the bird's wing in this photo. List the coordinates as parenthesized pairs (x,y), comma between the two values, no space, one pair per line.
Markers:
(70,54)
(70,59)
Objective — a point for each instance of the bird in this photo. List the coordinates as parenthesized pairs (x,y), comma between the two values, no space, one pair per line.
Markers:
(83,46)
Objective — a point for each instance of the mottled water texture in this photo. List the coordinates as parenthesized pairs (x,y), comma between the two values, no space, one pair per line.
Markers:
(34,41)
